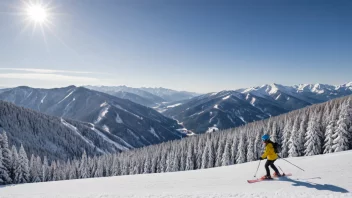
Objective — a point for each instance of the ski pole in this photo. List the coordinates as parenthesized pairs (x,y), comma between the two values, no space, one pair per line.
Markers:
(255,175)
(281,170)
(293,164)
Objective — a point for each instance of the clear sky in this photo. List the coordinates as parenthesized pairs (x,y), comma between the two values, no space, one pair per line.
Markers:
(195,45)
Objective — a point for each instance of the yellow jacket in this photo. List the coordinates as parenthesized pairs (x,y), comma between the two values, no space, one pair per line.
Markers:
(269,152)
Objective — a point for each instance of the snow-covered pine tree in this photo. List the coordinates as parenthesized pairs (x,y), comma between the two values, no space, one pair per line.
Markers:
(220,151)
(313,145)
(303,131)
(330,129)
(241,154)
(226,157)
(33,170)
(205,157)
(234,149)
(53,171)
(4,176)
(46,176)
(15,167)
(293,143)
(190,160)
(169,162)
(200,153)
(341,133)
(163,162)
(99,169)
(211,155)
(147,165)
(23,171)
(6,158)
(83,168)
(250,150)
(286,137)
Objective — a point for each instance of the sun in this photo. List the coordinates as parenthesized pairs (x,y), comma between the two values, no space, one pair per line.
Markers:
(37,13)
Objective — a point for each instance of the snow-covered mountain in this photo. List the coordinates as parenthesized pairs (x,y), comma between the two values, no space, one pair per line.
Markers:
(144,95)
(227,109)
(169,94)
(56,138)
(158,98)
(136,124)
(320,179)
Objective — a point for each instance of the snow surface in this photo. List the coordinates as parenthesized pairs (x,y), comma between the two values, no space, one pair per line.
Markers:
(67,96)
(325,176)
(102,114)
(227,97)
(212,129)
(118,119)
(152,130)
(175,105)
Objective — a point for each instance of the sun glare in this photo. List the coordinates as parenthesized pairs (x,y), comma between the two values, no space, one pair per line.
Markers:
(37,13)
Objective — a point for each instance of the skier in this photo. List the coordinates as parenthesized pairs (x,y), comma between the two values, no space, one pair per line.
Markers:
(271,156)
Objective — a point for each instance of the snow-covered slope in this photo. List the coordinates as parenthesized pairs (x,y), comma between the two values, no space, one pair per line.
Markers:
(119,117)
(56,138)
(325,176)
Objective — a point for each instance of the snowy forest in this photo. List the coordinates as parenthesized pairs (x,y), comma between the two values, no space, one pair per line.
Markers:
(318,129)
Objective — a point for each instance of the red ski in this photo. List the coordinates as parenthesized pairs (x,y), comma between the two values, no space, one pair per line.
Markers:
(262,179)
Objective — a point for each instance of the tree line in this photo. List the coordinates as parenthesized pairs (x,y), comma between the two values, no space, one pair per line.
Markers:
(318,129)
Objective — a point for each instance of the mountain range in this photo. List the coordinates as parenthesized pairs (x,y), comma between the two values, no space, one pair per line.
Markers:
(228,109)
(54,137)
(157,98)
(135,124)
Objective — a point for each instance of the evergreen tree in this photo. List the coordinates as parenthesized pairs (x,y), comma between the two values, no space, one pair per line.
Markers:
(22,174)
(341,134)
(286,137)
(6,159)
(234,149)
(190,161)
(226,157)
(4,175)
(241,154)
(330,129)
(46,172)
(313,141)
(250,150)
(294,145)
(83,168)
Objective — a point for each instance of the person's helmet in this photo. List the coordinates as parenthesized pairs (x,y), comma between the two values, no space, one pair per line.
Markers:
(265,137)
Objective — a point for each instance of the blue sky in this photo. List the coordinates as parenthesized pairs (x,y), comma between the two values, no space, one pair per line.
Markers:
(194,45)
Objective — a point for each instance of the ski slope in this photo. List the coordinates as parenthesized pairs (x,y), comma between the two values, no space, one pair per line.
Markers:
(325,176)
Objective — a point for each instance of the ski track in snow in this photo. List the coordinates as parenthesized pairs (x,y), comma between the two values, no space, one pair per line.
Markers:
(67,96)
(73,128)
(119,107)
(221,182)
(151,130)
(102,114)
(109,140)
(118,119)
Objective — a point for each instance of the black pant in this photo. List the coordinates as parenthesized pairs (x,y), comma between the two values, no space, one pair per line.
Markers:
(271,164)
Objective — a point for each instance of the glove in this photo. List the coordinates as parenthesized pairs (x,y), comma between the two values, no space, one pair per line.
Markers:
(260,158)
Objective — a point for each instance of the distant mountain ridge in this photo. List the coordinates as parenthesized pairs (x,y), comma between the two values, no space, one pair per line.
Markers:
(135,124)
(228,109)
(157,98)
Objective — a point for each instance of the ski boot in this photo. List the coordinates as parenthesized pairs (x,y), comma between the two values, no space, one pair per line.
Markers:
(266,177)
(277,175)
